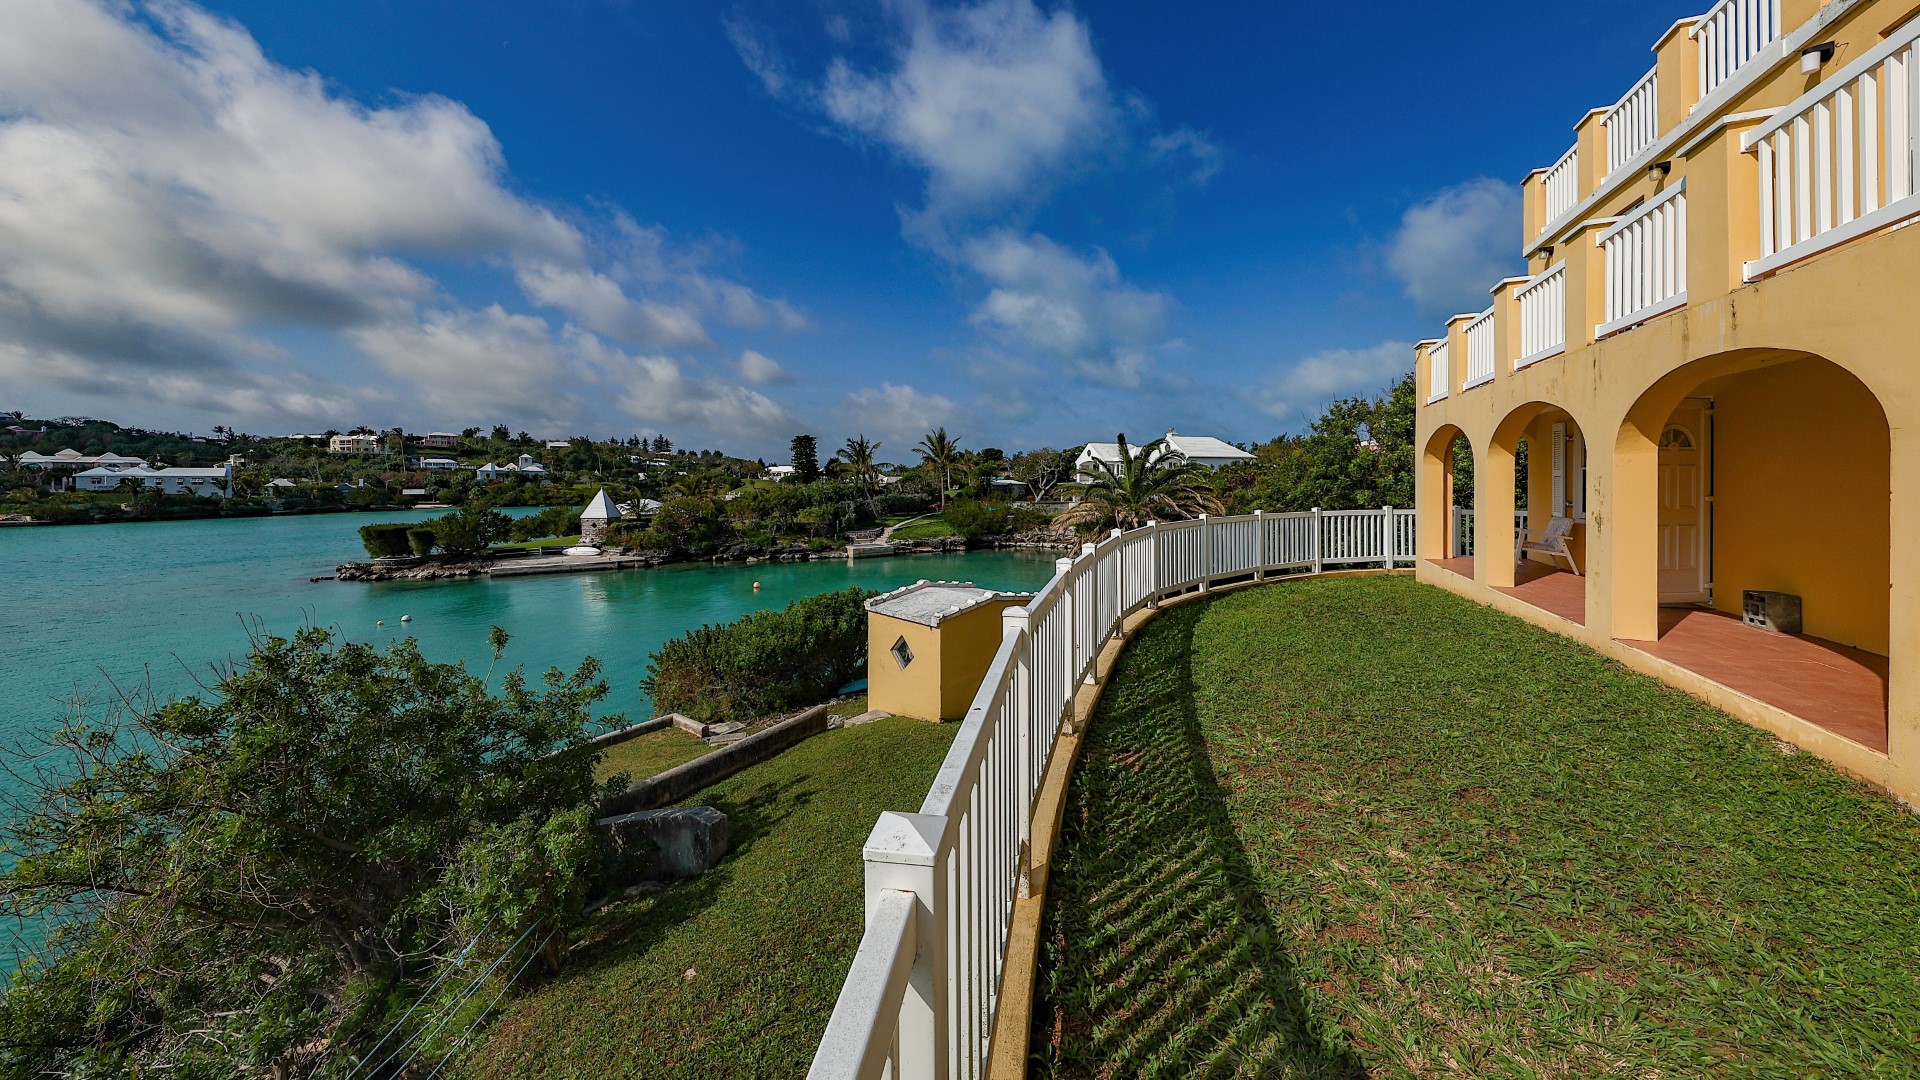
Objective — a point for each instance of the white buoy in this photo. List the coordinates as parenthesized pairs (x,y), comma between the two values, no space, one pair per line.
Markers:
(756,586)
(381,622)
(406,618)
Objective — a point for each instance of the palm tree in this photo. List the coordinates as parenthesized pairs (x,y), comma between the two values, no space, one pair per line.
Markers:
(1154,482)
(940,452)
(858,454)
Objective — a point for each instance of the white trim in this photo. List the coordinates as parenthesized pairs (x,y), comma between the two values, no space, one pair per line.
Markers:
(1436,397)
(1720,125)
(1752,72)
(1645,314)
(1481,381)
(1626,221)
(1544,354)
(1899,38)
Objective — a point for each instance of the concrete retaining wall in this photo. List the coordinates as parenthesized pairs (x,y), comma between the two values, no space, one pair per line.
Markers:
(677,783)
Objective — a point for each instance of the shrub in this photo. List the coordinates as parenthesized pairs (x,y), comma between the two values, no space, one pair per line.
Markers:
(422,540)
(976,521)
(383,541)
(765,662)
(470,529)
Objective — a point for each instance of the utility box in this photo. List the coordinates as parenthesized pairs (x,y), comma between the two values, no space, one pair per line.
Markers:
(1777,612)
(929,646)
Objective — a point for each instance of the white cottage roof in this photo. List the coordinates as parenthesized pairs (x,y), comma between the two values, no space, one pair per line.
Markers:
(930,602)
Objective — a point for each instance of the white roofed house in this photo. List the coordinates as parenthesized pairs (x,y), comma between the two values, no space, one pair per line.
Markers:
(600,513)
(1199,449)
(525,466)
(214,483)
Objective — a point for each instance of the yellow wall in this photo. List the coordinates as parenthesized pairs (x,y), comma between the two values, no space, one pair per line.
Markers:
(1801,480)
(949,661)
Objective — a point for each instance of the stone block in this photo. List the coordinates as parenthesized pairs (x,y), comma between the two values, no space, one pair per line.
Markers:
(688,724)
(668,845)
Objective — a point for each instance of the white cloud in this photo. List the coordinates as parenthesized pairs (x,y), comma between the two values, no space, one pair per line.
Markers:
(175,208)
(988,98)
(900,414)
(758,369)
(1312,383)
(1074,307)
(1452,248)
(1186,143)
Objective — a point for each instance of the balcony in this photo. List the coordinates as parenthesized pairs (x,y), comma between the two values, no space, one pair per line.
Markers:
(1646,262)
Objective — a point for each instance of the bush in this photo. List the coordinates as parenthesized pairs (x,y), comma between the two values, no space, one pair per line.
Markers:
(471,529)
(422,540)
(976,521)
(764,663)
(385,541)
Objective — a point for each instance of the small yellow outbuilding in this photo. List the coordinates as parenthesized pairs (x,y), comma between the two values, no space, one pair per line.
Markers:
(929,645)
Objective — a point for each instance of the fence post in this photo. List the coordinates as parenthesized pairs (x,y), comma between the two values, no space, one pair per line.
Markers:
(1153,560)
(1016,625)
(1060,567)
(1259,546)
(1119,584)
(1206,553)
(1318,525)
(907,852)
(1091,555)
(1387,532)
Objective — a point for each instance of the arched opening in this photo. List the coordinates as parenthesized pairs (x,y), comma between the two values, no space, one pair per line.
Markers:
(1752,538)
(1545,449)
(1445,533)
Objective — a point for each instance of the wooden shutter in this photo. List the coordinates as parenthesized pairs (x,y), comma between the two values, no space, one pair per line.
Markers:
(1558,505)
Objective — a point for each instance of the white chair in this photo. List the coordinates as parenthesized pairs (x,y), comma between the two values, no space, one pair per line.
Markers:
(1552,542)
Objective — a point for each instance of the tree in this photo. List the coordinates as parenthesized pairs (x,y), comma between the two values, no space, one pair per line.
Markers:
(273,870)
(471,529)
(1043,470)
(662,444)
(940,453)
(501,433)
(1151,483)
(858,454)
(806,459)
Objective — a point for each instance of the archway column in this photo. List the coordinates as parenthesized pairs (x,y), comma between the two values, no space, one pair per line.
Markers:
(1623,539)
(1493,561)
(1433,496)
(1903,652)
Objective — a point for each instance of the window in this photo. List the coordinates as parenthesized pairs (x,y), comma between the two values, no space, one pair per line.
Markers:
(902,655)
(1676,438)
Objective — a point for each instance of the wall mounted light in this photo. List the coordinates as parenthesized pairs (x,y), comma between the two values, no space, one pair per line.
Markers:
(1813,57)
(1659,171)
(1546,253)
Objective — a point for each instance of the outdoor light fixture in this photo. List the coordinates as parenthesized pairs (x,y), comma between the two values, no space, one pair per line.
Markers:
(1547,253)
(1814,56)
(1659,170)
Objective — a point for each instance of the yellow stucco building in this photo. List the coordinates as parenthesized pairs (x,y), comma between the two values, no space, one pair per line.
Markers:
(1712,364)
(929,645)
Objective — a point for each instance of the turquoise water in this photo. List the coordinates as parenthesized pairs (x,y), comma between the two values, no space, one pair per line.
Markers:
(86,609)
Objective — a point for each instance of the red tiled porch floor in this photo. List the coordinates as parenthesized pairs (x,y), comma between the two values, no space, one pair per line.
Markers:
(1548,588)
(1835,686)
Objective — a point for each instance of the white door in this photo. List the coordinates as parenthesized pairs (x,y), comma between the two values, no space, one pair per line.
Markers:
(1683,505)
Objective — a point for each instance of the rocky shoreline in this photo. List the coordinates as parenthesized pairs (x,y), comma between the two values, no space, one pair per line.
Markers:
(408,568)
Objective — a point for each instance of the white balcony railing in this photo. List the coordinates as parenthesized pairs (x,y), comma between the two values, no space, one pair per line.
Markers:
(921,999)
(1562,186)
(1840,162)
(1439,371)
(1646,255)
(1731,33)
(1633,122)
(1480,350)
(1543,316)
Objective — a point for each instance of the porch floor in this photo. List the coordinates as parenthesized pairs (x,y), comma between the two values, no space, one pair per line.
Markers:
(1838,687)
(1546,587)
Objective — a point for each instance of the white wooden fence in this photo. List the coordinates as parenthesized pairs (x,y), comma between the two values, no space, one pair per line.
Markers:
(1633,122)
(1562,187)
(1543,315)
(1439,370)
(1840,161)
(1646,254)
(1731,33)
(920,999)
(1481,343)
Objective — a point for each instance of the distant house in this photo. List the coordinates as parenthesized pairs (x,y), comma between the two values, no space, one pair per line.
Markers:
(354,444)
(600,513)
(436,463)
(525,466)
(69,462)
(779,472)
(1199,449)
(558,444)
(440,440)
(280,483)
(206,483)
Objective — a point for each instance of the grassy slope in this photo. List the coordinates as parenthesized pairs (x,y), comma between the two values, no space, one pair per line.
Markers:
(652,754)
(1366,828)
(733,974)
(930,529)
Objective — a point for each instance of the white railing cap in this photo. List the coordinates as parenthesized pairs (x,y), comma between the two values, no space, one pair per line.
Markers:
(905,839)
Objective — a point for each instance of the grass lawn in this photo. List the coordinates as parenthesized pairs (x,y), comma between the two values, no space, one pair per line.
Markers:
(652,754)
(931,529)
(735,973)
(556,542)
(1365,828)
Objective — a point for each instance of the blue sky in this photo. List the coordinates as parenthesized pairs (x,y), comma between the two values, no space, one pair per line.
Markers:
(1032,223)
